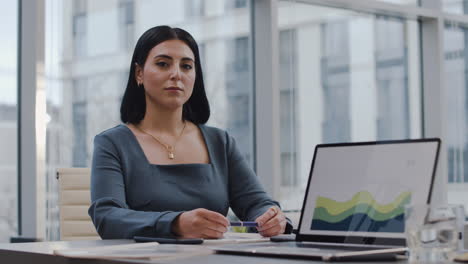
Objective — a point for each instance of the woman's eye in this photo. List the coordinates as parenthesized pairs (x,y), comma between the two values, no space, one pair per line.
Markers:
(187,66)
(162,64)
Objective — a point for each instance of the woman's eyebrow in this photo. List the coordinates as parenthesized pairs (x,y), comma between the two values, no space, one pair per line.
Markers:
(170,58)
(187,58)
(163,56)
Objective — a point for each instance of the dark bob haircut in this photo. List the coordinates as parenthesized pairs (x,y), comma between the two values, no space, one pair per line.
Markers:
(133,108)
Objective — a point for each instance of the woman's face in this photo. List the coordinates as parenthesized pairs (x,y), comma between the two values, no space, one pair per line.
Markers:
(168,74)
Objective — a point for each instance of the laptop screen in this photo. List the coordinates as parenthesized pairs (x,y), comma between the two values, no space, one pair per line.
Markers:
(361,189)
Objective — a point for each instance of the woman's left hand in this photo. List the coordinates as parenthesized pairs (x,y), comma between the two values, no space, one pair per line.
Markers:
(272,222)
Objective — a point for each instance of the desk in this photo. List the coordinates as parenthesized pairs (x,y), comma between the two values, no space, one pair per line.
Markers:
(41,253)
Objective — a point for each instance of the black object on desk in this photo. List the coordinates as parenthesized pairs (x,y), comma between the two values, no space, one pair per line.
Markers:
(165,240)
(283,238)
(368,258)
(21,239)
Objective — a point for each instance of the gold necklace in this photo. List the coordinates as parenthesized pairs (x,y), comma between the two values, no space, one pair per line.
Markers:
(170,149)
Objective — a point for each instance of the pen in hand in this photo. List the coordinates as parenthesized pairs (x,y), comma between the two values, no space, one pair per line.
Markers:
(271,223)
(244,223)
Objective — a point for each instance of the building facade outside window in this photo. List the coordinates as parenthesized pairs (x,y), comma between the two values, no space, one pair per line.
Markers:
(456,65)
(239,94)
(79,27)
(288,101)
(391,64)
(127,22)
(194,8)
(336,81)
(79,113)
(455,6)
(351,77)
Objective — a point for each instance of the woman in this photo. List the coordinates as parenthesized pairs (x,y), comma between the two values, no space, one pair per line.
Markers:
(163,172)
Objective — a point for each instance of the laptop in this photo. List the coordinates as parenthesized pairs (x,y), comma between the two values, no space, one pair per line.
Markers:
(355,199)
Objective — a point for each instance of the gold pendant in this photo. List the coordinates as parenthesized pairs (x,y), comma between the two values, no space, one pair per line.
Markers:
(171,155)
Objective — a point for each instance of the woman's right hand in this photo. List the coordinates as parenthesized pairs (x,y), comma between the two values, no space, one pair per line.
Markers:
(200,223)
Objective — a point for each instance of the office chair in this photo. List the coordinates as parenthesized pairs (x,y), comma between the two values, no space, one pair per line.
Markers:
(74,201)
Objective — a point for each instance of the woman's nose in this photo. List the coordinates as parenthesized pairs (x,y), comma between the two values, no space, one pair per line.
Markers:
(175,73)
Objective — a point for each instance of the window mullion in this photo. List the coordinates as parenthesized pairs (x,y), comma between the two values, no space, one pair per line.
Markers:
(266,61)
(434,101)
(31,179)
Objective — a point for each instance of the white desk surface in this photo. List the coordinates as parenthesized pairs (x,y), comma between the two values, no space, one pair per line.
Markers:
(42,252)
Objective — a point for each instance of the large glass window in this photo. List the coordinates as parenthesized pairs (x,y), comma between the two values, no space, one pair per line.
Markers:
(456,65)
(345,77)
(455,6)
(85,84)
(401,2)
(127,22)
(8,121)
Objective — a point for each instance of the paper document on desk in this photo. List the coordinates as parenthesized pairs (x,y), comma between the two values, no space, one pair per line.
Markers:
(236,238)
(150,251)
(462,258)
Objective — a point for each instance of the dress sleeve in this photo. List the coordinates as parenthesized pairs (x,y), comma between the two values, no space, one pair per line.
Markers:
(247,197)
(109,211)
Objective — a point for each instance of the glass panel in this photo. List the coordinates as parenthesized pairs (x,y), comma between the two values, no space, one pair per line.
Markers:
(235,4)
(455,6)
(344,77)
(456,65)
(8,121)
(401,2)
(85,85)
(194,8)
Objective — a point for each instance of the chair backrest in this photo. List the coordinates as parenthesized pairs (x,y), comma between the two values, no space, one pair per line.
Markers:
(74,201)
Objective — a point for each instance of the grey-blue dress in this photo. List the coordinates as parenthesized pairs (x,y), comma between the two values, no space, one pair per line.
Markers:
(131,197)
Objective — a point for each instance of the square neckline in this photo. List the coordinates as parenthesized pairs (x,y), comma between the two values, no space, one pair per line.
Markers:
(140,148)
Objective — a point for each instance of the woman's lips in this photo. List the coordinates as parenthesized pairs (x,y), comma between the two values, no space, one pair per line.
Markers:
(173,89)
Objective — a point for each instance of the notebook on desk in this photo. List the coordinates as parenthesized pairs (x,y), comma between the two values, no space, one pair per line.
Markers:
(355,199)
